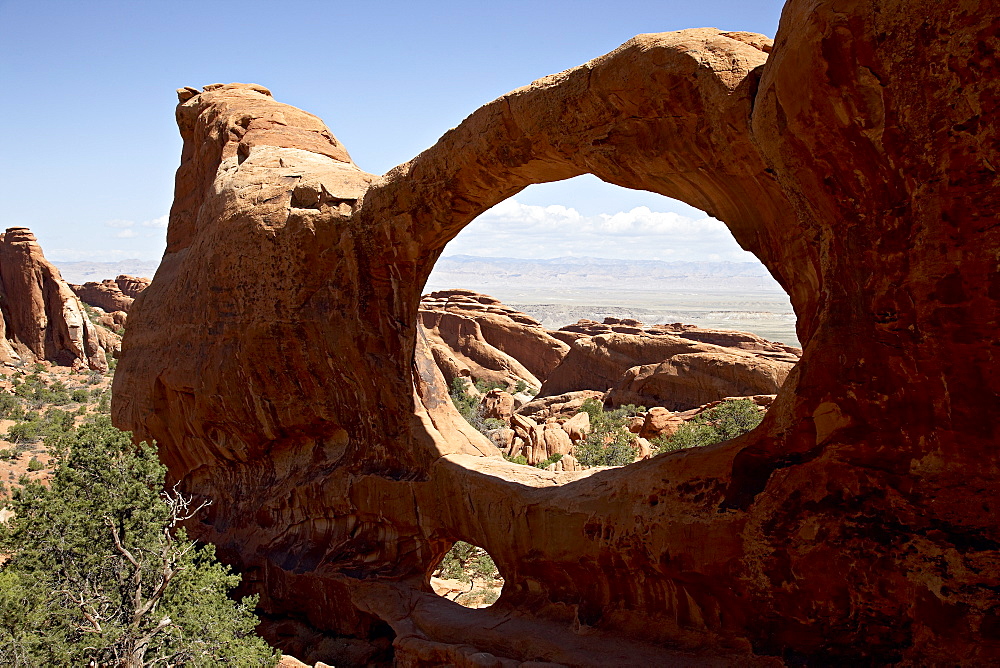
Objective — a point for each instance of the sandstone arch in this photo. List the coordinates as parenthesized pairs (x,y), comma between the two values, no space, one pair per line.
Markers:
(272,358)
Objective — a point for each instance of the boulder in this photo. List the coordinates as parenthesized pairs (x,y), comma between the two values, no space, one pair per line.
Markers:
(561,405)
(557,442)
(577,427)
(692,379)
(497,404)
(659,422)
(664,370)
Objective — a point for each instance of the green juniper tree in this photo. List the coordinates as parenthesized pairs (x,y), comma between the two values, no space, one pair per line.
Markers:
(721,423)
(99,572)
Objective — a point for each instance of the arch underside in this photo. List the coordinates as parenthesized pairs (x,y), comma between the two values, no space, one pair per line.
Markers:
(276,361)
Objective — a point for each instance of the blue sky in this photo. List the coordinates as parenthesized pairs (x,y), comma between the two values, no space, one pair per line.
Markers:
(90,144)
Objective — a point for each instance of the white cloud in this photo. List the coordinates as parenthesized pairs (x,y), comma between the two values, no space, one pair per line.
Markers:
(512,229)
(125,234)
(156,222)
(118,223)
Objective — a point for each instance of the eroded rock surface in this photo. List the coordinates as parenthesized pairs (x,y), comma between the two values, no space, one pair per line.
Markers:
(663,369)
(276,358)
(105,295)
(42,318)
(111,295)
(476,336)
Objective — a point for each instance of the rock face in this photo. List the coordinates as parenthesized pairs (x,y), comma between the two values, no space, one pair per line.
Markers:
(105,295)
(111,295)
(42,318)
(653,368)
(131,286)
(277,360)
(475,335)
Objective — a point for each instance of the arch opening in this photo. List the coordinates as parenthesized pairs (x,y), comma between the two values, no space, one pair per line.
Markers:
(577,361)
(467,575)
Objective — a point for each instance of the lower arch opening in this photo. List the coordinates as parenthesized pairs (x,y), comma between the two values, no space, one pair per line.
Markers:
(468,576)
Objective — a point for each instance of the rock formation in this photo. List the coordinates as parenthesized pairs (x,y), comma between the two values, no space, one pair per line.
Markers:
(475,335)
(276,358)
(111,295)
(654,368)
(42,318)
(131,286)
(105,295)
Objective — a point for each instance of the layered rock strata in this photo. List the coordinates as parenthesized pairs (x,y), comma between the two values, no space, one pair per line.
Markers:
(665,370)
(276,359)
(477,336)
(42,318)
(111,295)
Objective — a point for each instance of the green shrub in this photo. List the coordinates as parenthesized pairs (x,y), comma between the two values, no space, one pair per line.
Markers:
(468,405)
(609,442)
(551,460)
(485,386)
(721,423)
(606,448)
(35,465)
(24,432)
(80,396)
(104,532)
(517,459)
(9,405)
(465,561)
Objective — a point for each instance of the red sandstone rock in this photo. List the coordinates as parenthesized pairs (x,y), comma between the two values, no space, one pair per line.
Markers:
(105,295)
(692,379)
(563,405)
(557,442)
(492,341)
(496,404)
(131,286)
(113,321)
(577,427)
(663,370)
(659,422)
(42,318)
(277,360)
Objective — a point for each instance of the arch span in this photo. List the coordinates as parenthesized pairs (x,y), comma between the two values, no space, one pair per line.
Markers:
(275,359)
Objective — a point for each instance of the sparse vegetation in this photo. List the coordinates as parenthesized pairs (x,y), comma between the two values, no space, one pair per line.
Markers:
(721,423)
(468,404)
(475,567)
(552,459)
(609,443)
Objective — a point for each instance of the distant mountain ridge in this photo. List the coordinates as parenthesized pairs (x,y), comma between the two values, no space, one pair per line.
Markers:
(82,271)
(581,272)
